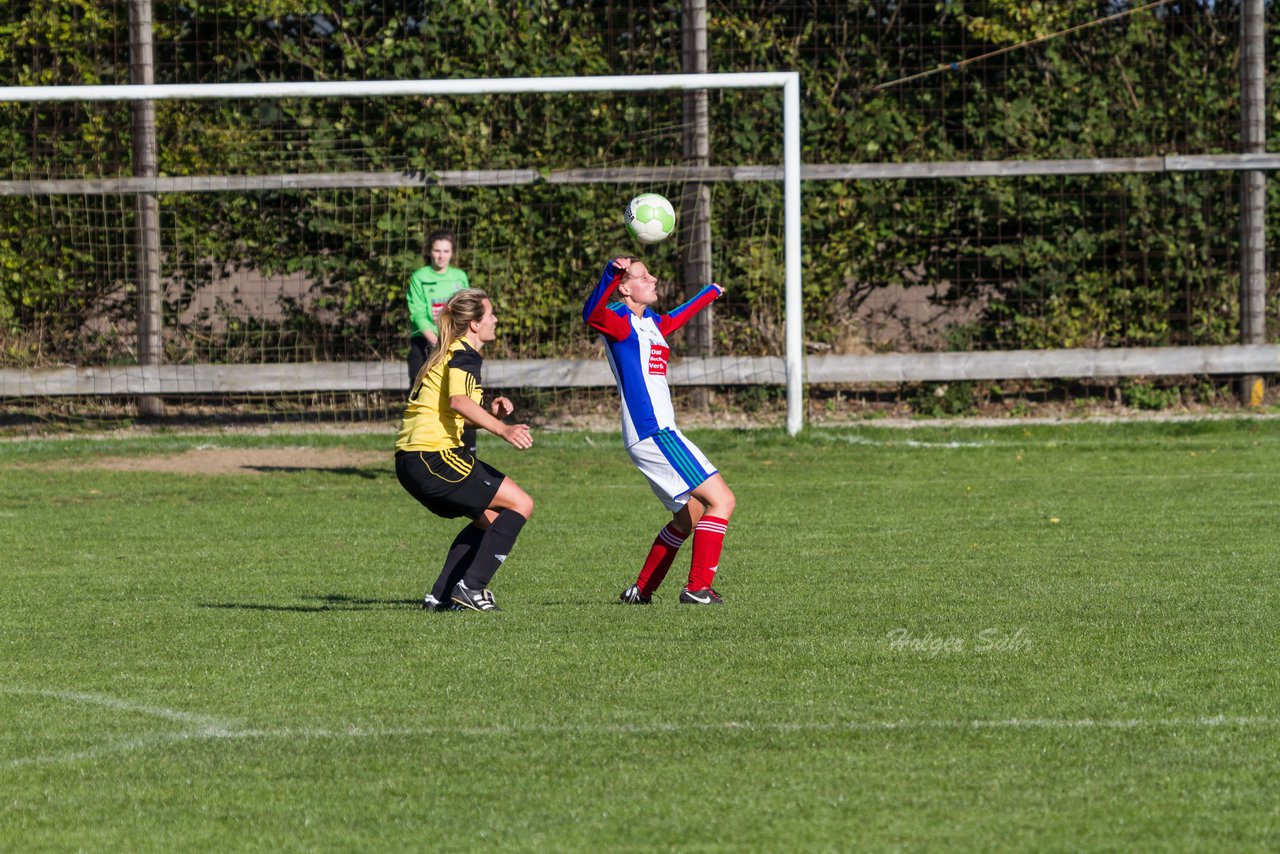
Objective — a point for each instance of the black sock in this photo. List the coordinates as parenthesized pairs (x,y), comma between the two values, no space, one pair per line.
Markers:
(457,561)
(493,549)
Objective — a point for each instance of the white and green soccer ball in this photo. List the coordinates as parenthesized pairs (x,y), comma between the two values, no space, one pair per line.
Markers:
(650,218)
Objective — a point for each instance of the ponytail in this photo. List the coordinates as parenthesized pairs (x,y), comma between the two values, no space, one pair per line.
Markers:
(455,318)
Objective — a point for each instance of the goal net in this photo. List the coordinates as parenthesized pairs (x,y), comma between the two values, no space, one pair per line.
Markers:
(288,219)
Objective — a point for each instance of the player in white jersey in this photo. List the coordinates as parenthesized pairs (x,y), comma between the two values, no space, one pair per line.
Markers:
(678,472)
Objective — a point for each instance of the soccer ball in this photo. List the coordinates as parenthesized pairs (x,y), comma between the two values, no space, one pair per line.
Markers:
(649,218)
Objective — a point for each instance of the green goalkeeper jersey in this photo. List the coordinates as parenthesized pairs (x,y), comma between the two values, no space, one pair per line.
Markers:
(428,292)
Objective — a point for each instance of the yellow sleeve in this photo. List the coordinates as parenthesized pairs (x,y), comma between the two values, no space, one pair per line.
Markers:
(462,381)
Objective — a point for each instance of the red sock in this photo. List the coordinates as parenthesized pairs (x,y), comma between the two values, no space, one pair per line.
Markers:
(708,538)
(665,546)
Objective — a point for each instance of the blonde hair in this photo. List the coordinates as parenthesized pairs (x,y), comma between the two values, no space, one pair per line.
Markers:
(455,318)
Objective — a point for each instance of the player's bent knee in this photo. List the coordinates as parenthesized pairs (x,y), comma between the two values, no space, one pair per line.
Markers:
(718,498)
(723,508)
(526,508)
(524,504)
(512,497)
(730,501)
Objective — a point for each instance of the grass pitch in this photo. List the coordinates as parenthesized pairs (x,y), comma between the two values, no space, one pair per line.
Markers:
(1047,638)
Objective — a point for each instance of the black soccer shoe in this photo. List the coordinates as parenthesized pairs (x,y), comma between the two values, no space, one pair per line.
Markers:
(474,600)
(633,596)
(700,597)
(431,603)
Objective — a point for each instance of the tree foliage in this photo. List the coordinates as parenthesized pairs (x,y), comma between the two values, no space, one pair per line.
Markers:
(1070,261)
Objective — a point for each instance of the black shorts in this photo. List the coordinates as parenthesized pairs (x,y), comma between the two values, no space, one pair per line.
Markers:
(449,483)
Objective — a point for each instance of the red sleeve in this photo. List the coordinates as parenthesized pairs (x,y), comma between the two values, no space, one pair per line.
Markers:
(596,312)
(668,323)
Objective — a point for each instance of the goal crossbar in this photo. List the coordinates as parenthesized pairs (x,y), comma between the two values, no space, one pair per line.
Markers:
(391,88)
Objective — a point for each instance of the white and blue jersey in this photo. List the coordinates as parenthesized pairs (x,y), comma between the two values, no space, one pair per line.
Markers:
(639,354)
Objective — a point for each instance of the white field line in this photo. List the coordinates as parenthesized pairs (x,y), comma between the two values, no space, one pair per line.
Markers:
(205,727)
(855,439)
(202,722)
(497,730)
(95,752)
(197,726)
(1031,444)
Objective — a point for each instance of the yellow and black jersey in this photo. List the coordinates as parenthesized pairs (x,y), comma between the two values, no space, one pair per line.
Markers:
(430,424)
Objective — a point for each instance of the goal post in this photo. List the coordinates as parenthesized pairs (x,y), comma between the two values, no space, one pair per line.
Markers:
(786,81)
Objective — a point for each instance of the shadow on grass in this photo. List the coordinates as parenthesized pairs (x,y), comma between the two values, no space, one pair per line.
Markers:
(367,474)
(331,602)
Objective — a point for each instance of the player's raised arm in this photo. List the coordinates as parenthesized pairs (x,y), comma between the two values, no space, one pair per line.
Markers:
(679,316)
(596,309)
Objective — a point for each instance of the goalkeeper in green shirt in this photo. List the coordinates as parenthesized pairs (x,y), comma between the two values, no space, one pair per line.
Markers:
(429,289)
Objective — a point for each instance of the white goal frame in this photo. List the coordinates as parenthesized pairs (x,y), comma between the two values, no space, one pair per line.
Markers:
(787,81)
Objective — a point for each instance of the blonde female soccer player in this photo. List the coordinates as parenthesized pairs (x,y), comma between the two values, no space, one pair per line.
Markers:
(678,472)
(434,465)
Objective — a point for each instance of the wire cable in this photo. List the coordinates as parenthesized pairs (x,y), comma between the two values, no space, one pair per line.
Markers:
(953,66)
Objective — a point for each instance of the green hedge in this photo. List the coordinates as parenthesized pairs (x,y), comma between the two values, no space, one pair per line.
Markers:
(1091,260)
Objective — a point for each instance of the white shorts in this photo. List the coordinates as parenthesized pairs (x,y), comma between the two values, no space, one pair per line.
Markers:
(673,466)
